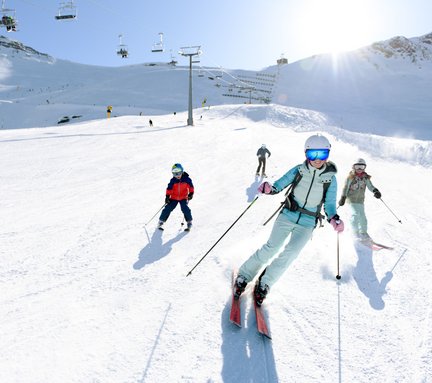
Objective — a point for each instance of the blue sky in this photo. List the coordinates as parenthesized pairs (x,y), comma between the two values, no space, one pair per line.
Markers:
(233,34)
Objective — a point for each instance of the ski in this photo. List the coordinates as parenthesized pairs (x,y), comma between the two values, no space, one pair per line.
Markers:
(378,246)
(235,313)
(261,321)
(369,242)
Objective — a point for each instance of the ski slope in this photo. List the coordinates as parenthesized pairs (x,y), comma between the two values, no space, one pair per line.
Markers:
(90,293)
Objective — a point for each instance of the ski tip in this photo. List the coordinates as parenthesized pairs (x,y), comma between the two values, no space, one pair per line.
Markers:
(236,323)
(266,335)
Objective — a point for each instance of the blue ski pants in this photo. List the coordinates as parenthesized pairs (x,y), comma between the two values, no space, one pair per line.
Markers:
(172,205)
(283,227)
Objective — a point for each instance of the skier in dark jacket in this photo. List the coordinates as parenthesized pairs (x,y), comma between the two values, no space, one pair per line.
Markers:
(180,190)
(261,153)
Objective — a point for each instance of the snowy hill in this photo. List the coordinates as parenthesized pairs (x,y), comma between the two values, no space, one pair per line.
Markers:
(382,89)
(92,294)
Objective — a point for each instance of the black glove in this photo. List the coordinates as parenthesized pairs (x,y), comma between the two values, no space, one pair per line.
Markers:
(167,199)
(190,196)
(342,201)
(377,193)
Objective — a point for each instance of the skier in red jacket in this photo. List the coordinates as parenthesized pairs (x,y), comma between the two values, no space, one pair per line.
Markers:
(180,190)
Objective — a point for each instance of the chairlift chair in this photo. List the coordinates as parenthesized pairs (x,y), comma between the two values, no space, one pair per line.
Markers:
(158,47)
(66,11)
(122,49)
(8,19)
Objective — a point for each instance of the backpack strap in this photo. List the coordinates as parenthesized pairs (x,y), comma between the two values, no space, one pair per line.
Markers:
(318,216)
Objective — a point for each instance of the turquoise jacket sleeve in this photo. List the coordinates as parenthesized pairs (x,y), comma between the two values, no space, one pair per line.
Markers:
(286,179)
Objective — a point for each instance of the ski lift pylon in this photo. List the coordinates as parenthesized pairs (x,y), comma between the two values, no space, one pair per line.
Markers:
(158,47)
(66,11)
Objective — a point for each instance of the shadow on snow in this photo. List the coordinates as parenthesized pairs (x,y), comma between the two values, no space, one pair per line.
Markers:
(365,276)
(247,355)
(156,250)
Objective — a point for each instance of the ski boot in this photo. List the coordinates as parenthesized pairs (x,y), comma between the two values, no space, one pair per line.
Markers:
(260,292)
(189,226)
(239,286)
(160,225)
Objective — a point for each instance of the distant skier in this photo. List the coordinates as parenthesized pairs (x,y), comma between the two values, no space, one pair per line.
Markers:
(354,190)
(180,190)
(150,123)
(261,154)
(313,185)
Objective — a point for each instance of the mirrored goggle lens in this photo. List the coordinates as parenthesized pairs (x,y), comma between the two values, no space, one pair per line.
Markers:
(359,167)
(317,154)
(176,174)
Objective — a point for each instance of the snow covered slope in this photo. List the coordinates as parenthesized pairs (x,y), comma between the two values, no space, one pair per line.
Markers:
(92,294)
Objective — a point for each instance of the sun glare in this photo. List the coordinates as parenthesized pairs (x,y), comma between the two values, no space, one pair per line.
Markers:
(333,26)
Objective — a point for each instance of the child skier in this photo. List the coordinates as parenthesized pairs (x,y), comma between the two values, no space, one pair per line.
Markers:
(299,217)
(354,191)
(180,190)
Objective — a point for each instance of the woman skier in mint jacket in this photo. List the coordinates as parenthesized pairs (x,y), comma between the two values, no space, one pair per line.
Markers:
(313,185)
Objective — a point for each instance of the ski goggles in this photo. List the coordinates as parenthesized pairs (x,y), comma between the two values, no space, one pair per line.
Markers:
(177,173)
(317,154)
(359,167)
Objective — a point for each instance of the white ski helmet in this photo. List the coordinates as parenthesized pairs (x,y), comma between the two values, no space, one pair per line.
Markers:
(317,142)
(360,161)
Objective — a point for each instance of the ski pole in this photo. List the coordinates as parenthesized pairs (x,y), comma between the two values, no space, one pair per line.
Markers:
(390,210)
(282,204)
(337,257)
(278,210)
(193,268)
(155,214)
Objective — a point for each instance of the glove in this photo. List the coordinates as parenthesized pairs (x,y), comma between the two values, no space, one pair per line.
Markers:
(190,196)
(167,199)
(377,193)
(267,188)
(342,201)
(337,224)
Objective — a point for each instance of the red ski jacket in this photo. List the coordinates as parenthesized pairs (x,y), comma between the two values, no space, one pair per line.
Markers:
(179,189)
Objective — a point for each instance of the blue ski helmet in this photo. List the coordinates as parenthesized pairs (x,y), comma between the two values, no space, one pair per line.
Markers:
(177,168)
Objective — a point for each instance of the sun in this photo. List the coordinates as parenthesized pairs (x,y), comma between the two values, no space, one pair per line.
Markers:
(332,26)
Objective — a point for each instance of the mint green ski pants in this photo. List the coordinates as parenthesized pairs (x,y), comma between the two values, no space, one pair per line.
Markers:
(282,228)
(358,219)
